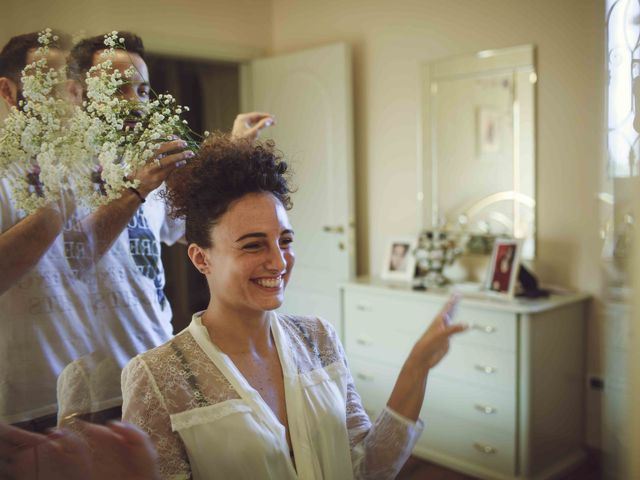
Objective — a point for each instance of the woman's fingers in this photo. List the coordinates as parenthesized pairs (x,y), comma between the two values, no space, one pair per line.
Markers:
(434,343)
(449,310)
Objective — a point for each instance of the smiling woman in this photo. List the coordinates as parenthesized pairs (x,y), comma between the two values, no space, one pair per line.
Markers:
(245,392)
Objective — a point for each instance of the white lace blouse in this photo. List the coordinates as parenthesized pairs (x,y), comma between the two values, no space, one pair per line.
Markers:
(207,422)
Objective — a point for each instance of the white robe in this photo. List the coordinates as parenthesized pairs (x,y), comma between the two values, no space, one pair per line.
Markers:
(207,422)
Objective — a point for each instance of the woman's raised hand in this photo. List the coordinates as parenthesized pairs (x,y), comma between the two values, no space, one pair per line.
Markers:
(433,345)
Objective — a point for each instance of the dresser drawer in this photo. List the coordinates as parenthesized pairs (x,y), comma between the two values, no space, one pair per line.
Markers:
(386,328)
(383,327)
(488,408)
(479,366)
(464,441)
(373,382)
(487,328)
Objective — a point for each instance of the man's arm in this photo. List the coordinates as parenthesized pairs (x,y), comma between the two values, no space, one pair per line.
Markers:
(24,244)
(104,226)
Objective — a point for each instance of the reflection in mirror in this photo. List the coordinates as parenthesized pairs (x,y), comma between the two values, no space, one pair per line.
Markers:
(479,144)
(82,289)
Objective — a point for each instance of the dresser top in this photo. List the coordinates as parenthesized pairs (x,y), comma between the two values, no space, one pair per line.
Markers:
(472,298)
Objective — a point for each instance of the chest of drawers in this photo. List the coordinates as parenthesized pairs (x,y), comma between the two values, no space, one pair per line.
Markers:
(507,402)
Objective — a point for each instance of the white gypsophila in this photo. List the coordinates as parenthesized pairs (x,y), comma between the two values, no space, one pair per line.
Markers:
(120,151)
(49,146)
(32,139)
(101,122)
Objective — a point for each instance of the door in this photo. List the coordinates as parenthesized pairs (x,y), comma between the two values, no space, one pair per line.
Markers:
(310,94)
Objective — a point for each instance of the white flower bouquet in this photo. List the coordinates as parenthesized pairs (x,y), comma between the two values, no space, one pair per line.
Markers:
(48,145)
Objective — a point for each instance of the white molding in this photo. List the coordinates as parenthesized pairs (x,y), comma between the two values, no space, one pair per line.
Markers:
(488,60)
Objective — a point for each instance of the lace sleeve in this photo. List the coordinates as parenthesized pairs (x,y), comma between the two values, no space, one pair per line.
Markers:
(73,391)
(144,406)
(380,450)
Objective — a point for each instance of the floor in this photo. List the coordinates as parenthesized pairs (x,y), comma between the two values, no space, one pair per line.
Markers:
(416,469)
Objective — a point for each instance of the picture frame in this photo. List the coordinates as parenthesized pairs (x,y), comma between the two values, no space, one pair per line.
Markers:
(399,261)
(502,274)
(488,131)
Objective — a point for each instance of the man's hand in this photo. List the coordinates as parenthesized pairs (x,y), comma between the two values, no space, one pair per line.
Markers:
(249,125)
(168,156)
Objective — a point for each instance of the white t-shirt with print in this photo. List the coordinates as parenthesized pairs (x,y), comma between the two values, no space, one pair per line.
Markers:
(42,325)
(66,309)
(128,296)
(130,312)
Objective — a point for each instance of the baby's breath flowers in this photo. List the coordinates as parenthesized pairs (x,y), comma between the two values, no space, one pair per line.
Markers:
(117,148)
(33,143)
(48,145)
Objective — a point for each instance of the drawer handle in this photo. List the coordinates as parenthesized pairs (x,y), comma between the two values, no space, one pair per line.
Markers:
(364,342)
(363,307)
(485,409)
(484,328)
(487,449)
(365,377)
(486,369)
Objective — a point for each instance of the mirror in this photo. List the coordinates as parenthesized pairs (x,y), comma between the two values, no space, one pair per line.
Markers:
(478,159)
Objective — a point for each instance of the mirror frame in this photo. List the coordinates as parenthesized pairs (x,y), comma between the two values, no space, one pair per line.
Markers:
(519,58)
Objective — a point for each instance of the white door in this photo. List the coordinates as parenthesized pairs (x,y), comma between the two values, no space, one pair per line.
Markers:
(310,94)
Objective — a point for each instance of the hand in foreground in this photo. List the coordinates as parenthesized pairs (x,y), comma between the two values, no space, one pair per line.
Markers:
(61,455)
(434,343)
(120,451)
(168,156)
(249,125)
(117,451)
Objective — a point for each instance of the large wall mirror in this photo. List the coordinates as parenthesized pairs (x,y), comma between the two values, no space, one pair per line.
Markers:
(478,159)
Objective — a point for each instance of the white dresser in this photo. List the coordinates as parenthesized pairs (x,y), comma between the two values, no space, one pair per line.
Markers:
(506,402)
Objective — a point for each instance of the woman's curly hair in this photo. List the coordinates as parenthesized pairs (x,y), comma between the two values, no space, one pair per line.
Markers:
(223,171)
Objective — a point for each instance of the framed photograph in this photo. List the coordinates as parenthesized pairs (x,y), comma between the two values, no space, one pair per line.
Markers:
(503,269)
(399,263)
(489,132)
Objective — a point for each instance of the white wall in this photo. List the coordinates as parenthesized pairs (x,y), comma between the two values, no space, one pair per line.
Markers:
(220,28)
(391,40)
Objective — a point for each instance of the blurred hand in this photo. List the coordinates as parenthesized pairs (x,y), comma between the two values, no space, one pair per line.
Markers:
(120,451)
(433,345)
(84,451)
(168,156)
(61,455)
(249,125)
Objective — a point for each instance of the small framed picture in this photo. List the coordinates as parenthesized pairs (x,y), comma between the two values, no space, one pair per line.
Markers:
(488,131)
(399,263)
(503,269)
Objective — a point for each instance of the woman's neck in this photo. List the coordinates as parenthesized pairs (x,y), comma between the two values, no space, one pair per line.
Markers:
(237,332)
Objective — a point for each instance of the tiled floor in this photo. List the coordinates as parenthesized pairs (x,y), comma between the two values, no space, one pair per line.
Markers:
(416,469)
